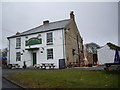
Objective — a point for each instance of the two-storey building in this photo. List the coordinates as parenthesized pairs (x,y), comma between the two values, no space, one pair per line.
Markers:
(56,42)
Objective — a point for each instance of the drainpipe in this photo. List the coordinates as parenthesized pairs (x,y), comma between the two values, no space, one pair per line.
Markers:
(9,50)
(63,36)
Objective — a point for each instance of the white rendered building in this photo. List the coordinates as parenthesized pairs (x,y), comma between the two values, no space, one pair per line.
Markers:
(106,54)
(52,42)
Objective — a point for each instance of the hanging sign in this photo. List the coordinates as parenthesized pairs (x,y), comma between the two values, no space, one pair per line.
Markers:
(33,41)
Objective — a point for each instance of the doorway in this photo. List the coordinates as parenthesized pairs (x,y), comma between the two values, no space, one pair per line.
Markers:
(34,58)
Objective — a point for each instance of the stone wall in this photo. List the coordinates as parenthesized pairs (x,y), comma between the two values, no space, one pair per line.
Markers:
(71,34)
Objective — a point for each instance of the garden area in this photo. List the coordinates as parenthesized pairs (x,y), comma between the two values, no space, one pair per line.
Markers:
(66,79)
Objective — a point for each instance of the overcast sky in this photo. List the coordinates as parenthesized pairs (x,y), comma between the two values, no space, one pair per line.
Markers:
(97,22)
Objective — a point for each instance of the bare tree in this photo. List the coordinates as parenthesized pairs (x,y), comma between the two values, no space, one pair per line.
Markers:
(4,52)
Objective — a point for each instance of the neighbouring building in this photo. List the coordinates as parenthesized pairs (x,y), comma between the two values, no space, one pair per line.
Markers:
(56,42)
(106,54)
(91,53)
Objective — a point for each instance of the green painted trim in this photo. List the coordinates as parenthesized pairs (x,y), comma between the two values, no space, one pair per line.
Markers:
(33,41)
(32,49)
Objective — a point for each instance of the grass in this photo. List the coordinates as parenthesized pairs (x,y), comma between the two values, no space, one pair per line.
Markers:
(67,79)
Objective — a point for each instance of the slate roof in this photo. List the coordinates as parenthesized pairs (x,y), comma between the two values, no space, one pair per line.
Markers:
(43,28)
(113,46)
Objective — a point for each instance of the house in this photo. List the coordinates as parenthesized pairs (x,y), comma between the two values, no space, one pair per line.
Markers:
(106,54)
(56,42)
(90,50)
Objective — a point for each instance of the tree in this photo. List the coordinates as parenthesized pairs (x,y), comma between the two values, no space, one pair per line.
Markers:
(4,52)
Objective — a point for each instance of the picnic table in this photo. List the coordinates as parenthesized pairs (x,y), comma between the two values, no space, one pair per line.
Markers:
(108,65)
(45,65)
(11,66)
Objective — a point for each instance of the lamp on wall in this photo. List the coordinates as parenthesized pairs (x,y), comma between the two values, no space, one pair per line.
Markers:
(22,52)
(26,37)
(42,49)
(39,35)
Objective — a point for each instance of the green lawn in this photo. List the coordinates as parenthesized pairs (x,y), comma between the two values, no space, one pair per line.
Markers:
(67,79)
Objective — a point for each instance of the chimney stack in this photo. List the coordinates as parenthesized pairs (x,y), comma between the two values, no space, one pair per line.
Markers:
(45,22)
(17,33)
(72,15)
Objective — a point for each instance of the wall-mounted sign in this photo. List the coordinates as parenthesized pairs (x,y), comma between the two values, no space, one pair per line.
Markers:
(33,41)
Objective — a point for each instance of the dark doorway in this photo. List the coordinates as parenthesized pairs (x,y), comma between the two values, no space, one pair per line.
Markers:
(95,59)
(61,63)
(34,59)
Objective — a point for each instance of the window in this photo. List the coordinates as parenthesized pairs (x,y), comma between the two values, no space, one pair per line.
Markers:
(49,38)
(18,43)
(18,56)
(49,54)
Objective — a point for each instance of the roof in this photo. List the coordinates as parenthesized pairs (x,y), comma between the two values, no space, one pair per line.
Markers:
(47,27)
(113,46)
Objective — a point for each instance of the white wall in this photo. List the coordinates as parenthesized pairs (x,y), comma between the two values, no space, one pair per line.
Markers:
(41,57)
(105,55)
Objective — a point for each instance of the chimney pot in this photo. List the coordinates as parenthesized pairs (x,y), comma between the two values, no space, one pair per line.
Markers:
(46,22)
(72,15)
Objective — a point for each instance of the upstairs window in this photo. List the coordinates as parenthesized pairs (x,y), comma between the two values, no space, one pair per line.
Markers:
(18,56)
(49,54)
(18,43)
(49,38)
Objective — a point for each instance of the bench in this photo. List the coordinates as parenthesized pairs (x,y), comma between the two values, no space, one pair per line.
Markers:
(45,65)
(11,66)
(36,66)
(108,65)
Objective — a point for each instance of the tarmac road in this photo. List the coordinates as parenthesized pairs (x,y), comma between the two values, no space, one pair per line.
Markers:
(6,84)
(9,85)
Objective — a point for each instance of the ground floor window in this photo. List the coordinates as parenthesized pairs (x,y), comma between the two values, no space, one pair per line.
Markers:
(18,56)
(49,54)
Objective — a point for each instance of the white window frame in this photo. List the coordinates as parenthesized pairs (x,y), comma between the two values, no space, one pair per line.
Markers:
(50,53)
(18,43)
(49,38)
(18,56)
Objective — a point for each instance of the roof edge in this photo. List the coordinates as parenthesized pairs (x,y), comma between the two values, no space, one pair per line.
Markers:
(34,33)
(113,46)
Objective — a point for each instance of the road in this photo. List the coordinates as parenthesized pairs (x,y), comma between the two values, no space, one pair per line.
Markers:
(6,84)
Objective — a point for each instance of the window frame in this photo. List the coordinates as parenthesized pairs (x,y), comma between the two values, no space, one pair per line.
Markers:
(50,53)
(49,38)
(18,56)
(18,43)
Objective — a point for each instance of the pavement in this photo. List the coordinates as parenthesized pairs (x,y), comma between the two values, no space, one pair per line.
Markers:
(8,84)
(89,68)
